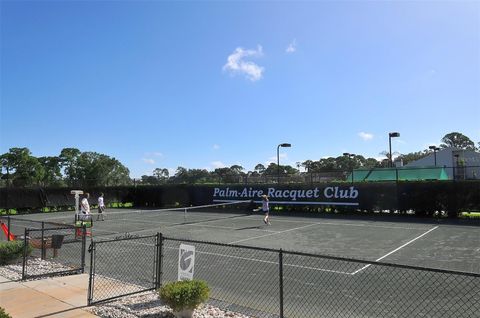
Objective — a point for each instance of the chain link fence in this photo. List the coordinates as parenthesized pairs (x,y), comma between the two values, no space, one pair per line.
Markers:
(120,267)
(53,251)
(49,248)
(261,282)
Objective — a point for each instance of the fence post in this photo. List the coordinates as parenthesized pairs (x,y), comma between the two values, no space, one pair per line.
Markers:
(91,282)
(280,265)
(159,262)
(43,254)
(25,247)
(84,246)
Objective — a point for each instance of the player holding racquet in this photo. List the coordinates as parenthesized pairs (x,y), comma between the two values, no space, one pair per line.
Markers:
(265,209)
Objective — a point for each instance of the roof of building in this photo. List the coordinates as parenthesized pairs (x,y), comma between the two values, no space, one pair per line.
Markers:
(399,173)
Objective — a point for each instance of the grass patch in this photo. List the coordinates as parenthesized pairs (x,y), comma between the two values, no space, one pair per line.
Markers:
(9,211)
(470,214)
(120,205)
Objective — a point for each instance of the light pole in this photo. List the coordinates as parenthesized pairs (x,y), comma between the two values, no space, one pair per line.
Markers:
(390,136)
(278,159)
(435,149)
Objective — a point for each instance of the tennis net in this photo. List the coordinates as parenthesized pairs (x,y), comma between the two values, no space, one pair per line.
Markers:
(144,221)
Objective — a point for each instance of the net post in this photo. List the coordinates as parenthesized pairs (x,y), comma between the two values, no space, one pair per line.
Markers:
(185,215)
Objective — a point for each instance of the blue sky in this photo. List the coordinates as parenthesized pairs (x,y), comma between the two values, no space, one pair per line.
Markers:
(160,84)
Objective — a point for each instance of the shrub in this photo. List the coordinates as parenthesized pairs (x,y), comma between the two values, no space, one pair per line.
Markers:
(3,314)
(12,250)
(186,294)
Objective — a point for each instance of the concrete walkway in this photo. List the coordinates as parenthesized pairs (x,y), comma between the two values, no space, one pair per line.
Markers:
(50,297)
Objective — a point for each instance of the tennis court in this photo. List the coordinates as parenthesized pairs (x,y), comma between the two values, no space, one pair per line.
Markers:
(441,244)
(247,279)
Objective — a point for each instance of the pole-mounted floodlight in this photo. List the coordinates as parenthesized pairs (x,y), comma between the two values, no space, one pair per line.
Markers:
(278,159)
(390,136)
(435,149)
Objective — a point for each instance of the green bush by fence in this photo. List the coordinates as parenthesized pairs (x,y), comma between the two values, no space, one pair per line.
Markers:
(10,251)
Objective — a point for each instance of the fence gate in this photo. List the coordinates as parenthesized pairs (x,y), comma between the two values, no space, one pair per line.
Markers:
(123,266)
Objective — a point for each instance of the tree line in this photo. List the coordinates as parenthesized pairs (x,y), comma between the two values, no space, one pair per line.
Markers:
(75,168)
(70,168)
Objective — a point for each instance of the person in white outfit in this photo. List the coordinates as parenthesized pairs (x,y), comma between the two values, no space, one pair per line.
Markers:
(101,207)
(265,209)
(85,207)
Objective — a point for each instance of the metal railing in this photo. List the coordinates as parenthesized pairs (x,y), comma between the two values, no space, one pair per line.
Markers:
(262,282)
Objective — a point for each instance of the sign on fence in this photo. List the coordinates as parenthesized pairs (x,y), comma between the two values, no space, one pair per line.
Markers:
(186,262)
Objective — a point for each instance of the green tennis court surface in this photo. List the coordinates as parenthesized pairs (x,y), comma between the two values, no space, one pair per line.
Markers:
(436,244)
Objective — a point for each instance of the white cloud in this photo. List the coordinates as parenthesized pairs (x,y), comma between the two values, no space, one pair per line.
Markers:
(218,164)
(216,147)
(365,136)
(149,161)
(292,47)
(237,65)
(154,154)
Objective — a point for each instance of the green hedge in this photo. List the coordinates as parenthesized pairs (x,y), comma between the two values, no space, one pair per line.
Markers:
(10,251)
(186,294)
(3,313)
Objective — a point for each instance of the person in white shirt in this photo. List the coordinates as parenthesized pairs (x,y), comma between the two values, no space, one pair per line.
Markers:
(101,207)
(85,207)
(265,209)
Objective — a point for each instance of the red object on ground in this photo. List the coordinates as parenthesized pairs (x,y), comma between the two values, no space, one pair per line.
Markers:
(79,232)
(5,230)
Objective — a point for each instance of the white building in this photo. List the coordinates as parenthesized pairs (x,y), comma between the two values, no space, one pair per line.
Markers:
(460,164)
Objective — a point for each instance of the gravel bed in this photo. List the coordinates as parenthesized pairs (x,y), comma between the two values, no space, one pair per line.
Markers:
(36,266)
(144,305)
(148,305)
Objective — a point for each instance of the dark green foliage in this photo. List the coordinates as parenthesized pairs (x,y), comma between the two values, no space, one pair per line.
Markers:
(186,294)
(12,250)
(457,140)
(3,314)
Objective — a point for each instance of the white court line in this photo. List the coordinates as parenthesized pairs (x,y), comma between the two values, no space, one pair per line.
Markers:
(255,237)
(229,227)
(249,259)
(369,225)
(395,250)
(270,262)
(348,224)
(166,213)
(299,266)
